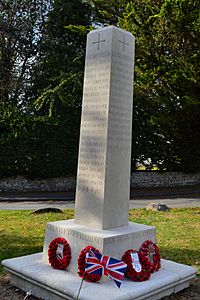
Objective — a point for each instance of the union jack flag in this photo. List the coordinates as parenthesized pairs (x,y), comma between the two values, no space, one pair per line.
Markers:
(96,263)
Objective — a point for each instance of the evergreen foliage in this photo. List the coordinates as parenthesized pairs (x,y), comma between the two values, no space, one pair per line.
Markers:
(167,82)
(42,49)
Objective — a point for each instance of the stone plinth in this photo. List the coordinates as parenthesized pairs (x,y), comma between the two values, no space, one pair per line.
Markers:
(31,273)
(113,242)
(103,177)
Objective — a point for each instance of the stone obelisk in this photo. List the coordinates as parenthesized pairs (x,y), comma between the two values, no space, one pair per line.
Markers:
(103,178)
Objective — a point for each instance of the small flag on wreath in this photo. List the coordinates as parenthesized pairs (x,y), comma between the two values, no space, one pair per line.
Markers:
(105,265)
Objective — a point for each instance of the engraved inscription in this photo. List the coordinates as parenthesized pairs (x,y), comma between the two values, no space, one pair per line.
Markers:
(147,234)
(75,234)
(120,109)
(92,146)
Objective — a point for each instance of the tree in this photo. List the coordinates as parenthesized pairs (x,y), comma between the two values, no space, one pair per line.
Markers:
(108,12)
(42,48)
(49,69)
(59,73)
(21,25)
(167,82)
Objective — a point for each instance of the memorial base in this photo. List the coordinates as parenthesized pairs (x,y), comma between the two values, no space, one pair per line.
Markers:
(113,242)
(31,273)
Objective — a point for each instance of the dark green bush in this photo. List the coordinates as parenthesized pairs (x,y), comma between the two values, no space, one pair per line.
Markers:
(39,147)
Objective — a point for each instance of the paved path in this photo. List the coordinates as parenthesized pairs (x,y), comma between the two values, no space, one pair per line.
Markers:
(136,203)
(152,193)
(172,197)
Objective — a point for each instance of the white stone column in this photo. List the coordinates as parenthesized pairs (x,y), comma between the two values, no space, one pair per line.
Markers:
(103,178)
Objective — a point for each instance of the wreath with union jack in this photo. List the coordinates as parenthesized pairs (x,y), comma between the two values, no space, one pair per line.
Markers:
(151,252)
(59,253)
(81,265)
(138,269)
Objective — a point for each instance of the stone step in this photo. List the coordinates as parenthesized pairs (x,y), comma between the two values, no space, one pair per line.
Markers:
(31,273)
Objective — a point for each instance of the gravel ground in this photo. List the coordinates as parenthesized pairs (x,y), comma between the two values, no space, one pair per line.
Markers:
(8,292)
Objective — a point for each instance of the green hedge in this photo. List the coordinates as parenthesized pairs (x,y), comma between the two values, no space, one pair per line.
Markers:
(39,147)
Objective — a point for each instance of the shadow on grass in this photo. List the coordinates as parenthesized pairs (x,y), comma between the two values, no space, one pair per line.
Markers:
(187,256)
(14,246)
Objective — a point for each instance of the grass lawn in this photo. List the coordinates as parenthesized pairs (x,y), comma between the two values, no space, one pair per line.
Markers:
(178,232)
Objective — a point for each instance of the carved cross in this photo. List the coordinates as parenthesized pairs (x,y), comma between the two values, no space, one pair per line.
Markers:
(99,41)
(123,42)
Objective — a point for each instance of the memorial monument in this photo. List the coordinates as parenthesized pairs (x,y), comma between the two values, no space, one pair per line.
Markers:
(103,184)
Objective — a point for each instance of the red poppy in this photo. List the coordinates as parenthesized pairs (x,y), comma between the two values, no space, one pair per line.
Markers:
(59,253)
(145,270)
(151,252)
(81,265)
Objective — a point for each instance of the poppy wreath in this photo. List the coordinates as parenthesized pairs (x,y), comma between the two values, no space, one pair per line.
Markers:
(59,253)
(151,252)
(130,272)
(81,265)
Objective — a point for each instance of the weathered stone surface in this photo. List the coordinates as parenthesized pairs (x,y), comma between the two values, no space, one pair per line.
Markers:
(141,179)
(103,178)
